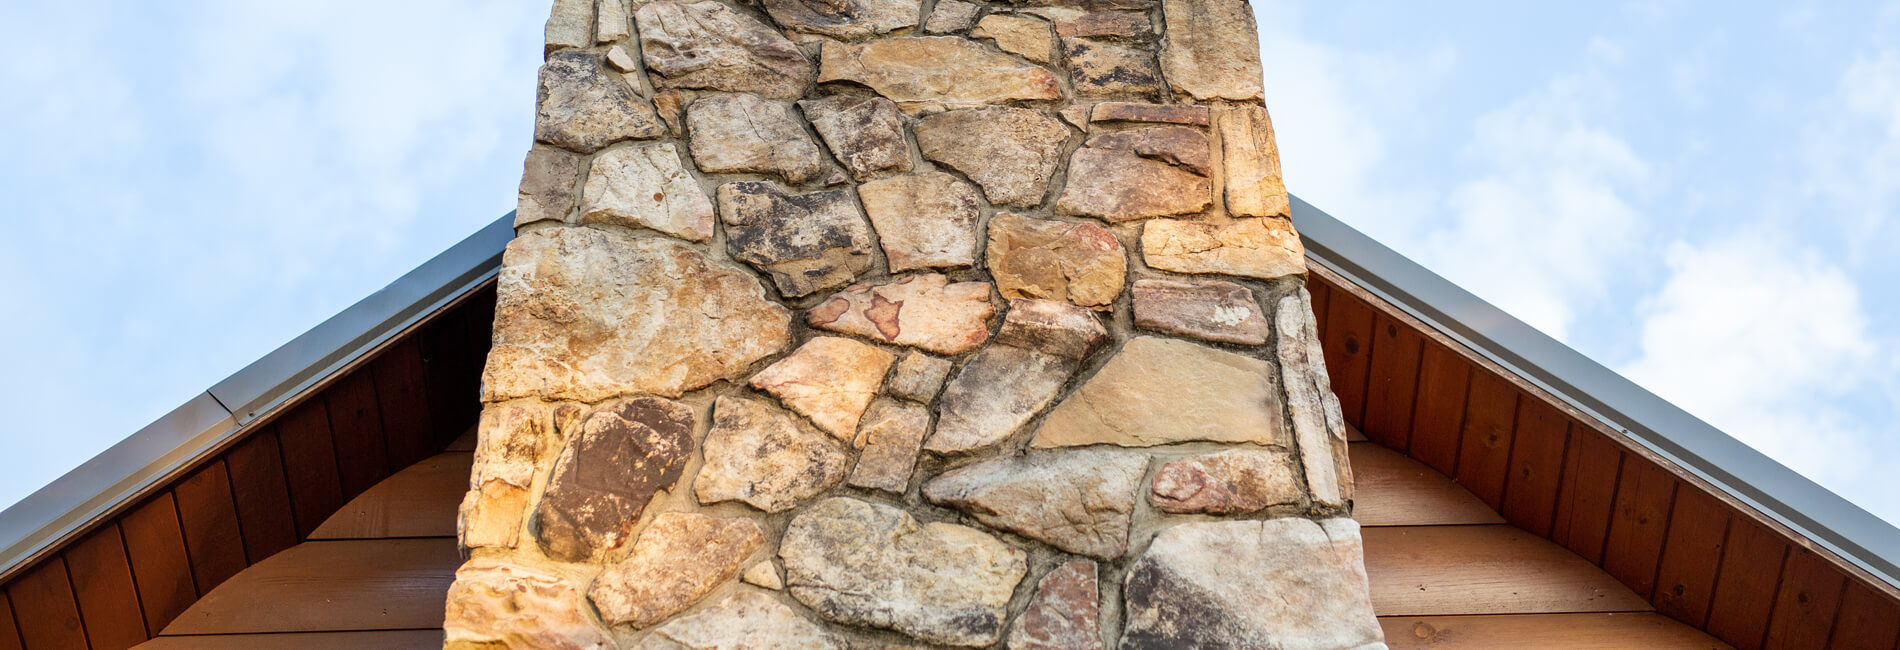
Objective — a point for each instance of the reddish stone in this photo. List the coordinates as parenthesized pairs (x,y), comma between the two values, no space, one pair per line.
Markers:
(1064,612)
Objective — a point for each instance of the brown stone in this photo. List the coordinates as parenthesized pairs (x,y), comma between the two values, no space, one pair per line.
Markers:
(671,106)
(1024,36)
(646,186)
(1010,152)
(582,108)
(919,376)
(1064,614)
(1082,263)
(1176,145)
(1098,68)
(1264,248)
(923,311)
(1161,391)
(495,604)
(677,560)
(864,133)
(570,25)
(1217,311)
(745,620)
(739,133)
(1163,113)
(760,455)
(923,220)
(829,379)
(1252,163)
(547,186)
(951,16)
(1318,424)
(1041,344)
(623,452)
(936,71)
(890,437)
(1077,115)
(805,242)
(585,315)
(1074,21)
(1078,501)
(1231,482)
(1117,185)
(707,45)
(1052,327)
(846,19)
(515,443)
(1212,51)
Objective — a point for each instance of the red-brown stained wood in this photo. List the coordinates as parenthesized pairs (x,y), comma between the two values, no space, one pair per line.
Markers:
(1439,414)
(381,584)
(303,437)
(1685,579)
(9,633)
(1347,341)
(1867,620)
(1745,584)
(403,401)
(356,424)
(1484,455)
(156,547)
(444,368)
(378,640)
(1322,300)
(102,582)
(1644,496)
(1610,631)
(1449,570)
(1392,490)
(1587,495)
(1805,606)
(1537,463)
(480,320)
(263,500)
(1392,382)
(208,514)
(44,607)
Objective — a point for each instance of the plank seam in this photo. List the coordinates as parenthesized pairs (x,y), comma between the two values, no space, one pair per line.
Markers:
(1708,608)
(230,486)
(78,612)
(1616,490)
(1669,521)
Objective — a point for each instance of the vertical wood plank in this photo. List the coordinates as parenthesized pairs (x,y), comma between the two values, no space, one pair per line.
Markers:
(1537,462)
(1867,620)
(481,328)
(1347,341)
(1322,300)
(1685,581)
(402,400)
(156,547)
(208,514)
(356,425)
(1745,584)
(102,581)
(9,632)
(263,498)
(1588,494)
(1484,454)
(1439,415)
(1392,382)
(45,609)
(1805,605)
(442,346)
(1644,496)
(303,436)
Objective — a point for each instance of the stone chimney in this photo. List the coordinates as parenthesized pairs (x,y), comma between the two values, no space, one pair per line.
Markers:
(871,323)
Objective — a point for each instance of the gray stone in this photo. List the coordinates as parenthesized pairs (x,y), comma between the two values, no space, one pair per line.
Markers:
(1181,146)
(830,380)
(919,376)
(847,19)
(951,16)
(923,311)
(890,436)
(1264,248)
(1082,263)
(582,108)
(615,22)
(646,186)
(1234,481)
(1218,311)
(1064,614)
(570,25)
(547,186)
(923,220)
(861,563)
(745,620)
(1010,152)
(495,604)
(1041,344)
(1252,163)
(864,133)
(624,452)
(1025,36)
(1318,425)
(739,133)
(1159,113)
(759,455)
(805,242)
(1078,501)
(936,72)
(709,46)
(1213,51)
(1161,391)
(1099,68)
(677,560)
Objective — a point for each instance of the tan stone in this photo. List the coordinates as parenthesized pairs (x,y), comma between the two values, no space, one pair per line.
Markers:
(491,515)
(763,574)
(646,186)
(1075,21)
(495,604)
(570,25)
(923,311)
(1162,113)
(1077,115)
(923,220)
(759,455)
(1010,152)
(892,433)
(1217,311)
(1230,482)
(846,19)
(615,23)
(1318,424)
(804,242)
(740,133)
(585,315)
(1252,161)
(1065,613)
(936,71)
(1160,391)
(745,620)
(1098,68)
(514,444)
(621,61)
(919,376)
(581,108)
(1024,36)
(1212,51)
(951,16)
(1052,327)
(1264,248)
(547,186)
(830,380)
(1116,186)
(677,560)
(864,133)
(707,45)
(1181,146)
(671,106)
(1082,263)
(1078,501)
(1041,344)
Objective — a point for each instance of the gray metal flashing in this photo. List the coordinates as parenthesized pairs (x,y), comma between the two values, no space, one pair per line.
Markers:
(1772,489)
(205,423)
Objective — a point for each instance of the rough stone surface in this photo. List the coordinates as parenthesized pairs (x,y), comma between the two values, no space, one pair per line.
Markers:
(1077,116)
(1041,343)
(585,315)
(570,25)
(923,311)
(1160,391)
(709,46)
(890,437)
(1082,263)
(497,604)
(1064,614)
(805,242)
(615,22)
(671,105)
(646,186)
(1264,248)
(919,376)
(1281,583)
(620,455)
(864,133)
(740,133)
(829,379)
(1252,162)
(936,71)
(1230,482)
(1212,50)
(677,560)
(582,108)
(846,19)
(547,186)
(951,16)
(1075,21)
(763,574)
(1052,327)
(621,61)
(515,443)
(1010,152)
(1098,68)
(745,620)
(1024,36)
(861,563)
(1077,501)
(1118,185)
(1217,311)
(760,455)
(1318,425)
(923,220)
(1161,113)
(1181,146)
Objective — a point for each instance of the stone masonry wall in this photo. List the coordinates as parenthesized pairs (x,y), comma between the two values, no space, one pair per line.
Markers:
(888,323)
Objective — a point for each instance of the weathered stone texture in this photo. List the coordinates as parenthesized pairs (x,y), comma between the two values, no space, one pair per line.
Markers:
(709,46)
(1264,248)
(861,563)
(764,574)
(583,108)
(864,133)
(1010,152)
(514,444)
(615,22)
(1098,68)
(760,455)
(1230,482)
(1252,163)
(570,25)
(1281,583)
(1075,21)
(1077,501)
(891,434)
(646,186)
(585,315)
(1041,343)
(1118,185)
(621,61)
(1082,263)
(805,242)
(622,453)
(494,604)
(671,105)
(829,379)
(1159,113)
(1318,425)
(677,560)
(951,16)
(936,72)
(1212,51)
(1064,614)
(740,133)
(547,186)
(919,376)
(923,311)
(846,19)
(923,220)
(1024,36)
(1217,311)
(1181,146)
(1159,391)
(745,620)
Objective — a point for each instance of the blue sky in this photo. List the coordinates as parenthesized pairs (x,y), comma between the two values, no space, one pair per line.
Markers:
(1699,195)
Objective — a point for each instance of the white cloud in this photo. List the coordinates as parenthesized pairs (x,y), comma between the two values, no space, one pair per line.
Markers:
(1853,152)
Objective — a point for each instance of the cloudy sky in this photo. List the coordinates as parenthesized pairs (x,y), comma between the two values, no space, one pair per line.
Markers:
(1699,195)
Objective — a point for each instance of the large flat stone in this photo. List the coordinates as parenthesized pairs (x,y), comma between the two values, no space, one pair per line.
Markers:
(548,179)
(736,133)
(583,108)
(950,16)
(830,380)
(614,22)
(570,25)
(936,72)
(1230,482)
(709,46)
(1318,424)
(1182,146)
(623,452)
(646,186)
(1064,614)
(805,242)
(745,620)
(1212,51)
(759,455)
(1101,68)
(923,220)
(515,442)
(864,133)
(1158,113)
(585,315)
(1041,344)
(1025,36)
(1217,311)
(1076,21)
(1082,263)
(919,376)
(890,437)
(1161,391)
(846,19)
(1264,248)
(677,560)
(923,311)
(1010,152)
(1077,501)
(1252,163)
(495,604)
(1117,185)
